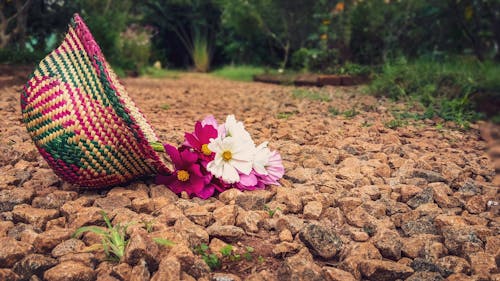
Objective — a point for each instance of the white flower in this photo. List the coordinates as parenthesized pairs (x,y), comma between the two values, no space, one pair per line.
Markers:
(232,155)
(261,158)
(236,129)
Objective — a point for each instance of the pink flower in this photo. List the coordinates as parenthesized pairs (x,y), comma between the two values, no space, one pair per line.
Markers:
(274,168)
(187,175)
(249,182)
(199,140)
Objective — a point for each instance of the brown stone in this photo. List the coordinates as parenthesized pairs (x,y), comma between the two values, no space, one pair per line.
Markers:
(47,240)
(169,270)
(85,216)
(312,210)
(225,232)
(482,263)
(194,233)
(5,226)
(381,270)
(254,200)
(389,243)
(140,272)
(335,274)
(248,220)
(454,264)
(68,246)
(322,241)
(415,246)
(141,247)
(12,251)
(12,197)
(54,200)
(7,274)
(226,215)
(408,191)
(476,204)
(199,215)
(285,248)
(34,264)
(70,271)
(290,199)
(331,80)
(88,259)
(300,267)
(35,216)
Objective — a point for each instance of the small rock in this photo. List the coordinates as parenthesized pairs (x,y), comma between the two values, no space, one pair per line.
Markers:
(299,175)
(254,200)
(461,240)
(322,241)
(35,216)
(7,274)
(122,271)
(34,264)
(199,215)
(415,246)
(47,240)
(229,195)
(88,259)
(68,246)
(54,200)
(300,267)
(290,222)
(263,275)
(359,217)
(248,220)
(284,248)
(226,215)
(430,176)
(285,236)
(12,197)
(359,236)
(460,277)
(216,246)
(140,272)
(420,264)
(225,232)
(335,274)
(194,233)
(109,203)
(289,198)
(312,210)
(388,242)
(85,216)
(482,263)
(454,264)
(476,204)
(70,271)
(141,247)
(408,191)
(225,277)
(13,251)
(426,196)
(168,270)
(5,226)
(424,225)
(381,270)
(441,195)
(347,204)
(425,276)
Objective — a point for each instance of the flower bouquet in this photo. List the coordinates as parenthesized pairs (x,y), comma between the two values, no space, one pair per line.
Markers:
(218,157)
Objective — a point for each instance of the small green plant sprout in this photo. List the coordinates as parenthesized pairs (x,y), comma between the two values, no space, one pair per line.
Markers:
(350,112)
(163,242)
(260,259)
(113,238)
(285,115)
(395,123)
(311,95)
(270,211)
(210,259)
(333,111)
(248,253)
(148,225)
(165,106)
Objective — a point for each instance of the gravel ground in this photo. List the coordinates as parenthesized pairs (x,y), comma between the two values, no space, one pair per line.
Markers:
(359,201)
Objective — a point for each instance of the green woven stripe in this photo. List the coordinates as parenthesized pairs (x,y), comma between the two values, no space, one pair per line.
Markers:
(111,94)
(75,58)
(59,148)
(96,157)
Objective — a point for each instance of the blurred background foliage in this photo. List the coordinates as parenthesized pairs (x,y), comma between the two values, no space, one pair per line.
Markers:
(429,50)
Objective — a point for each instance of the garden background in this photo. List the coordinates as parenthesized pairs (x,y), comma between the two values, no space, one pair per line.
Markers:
(440,56)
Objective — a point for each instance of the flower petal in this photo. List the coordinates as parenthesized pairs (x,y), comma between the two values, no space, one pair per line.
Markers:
(229,174)
(174,155)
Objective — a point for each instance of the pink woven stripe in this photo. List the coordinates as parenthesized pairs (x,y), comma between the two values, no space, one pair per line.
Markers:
(34,83)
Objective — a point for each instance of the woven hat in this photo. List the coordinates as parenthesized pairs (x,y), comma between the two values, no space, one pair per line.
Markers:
(81,118)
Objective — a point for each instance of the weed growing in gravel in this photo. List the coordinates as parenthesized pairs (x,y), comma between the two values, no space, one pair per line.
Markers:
(165,106)
(114,238)
(350,112)
(333,111)
(163,242)
(148,225)
(228,255)
(310,95)
(270,211)
(210,259)
(284,115)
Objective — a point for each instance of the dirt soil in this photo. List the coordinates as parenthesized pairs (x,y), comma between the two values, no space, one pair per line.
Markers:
(359,201)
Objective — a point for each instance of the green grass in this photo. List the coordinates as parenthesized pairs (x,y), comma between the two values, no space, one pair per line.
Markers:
(310,95)
(160,73)
(452,90)
(238,73)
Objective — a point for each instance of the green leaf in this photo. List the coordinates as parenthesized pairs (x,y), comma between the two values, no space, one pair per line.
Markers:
(163,241)
(226,250)
(93,229)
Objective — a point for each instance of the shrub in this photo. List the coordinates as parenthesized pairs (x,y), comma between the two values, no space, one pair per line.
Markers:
(451,90)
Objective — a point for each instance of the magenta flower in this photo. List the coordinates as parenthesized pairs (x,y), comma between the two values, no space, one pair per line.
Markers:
(187,175)
(199,140)
(274,168)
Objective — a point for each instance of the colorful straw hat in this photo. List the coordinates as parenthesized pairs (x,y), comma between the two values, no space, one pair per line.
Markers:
(81,118)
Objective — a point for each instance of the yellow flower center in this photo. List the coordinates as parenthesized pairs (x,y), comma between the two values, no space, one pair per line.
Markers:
(206,150)
(182,175)
(227,155)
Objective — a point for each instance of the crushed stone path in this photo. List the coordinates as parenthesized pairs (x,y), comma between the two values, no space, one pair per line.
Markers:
(359,200)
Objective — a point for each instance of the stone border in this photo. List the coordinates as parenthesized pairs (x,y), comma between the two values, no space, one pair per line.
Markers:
(317,80)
